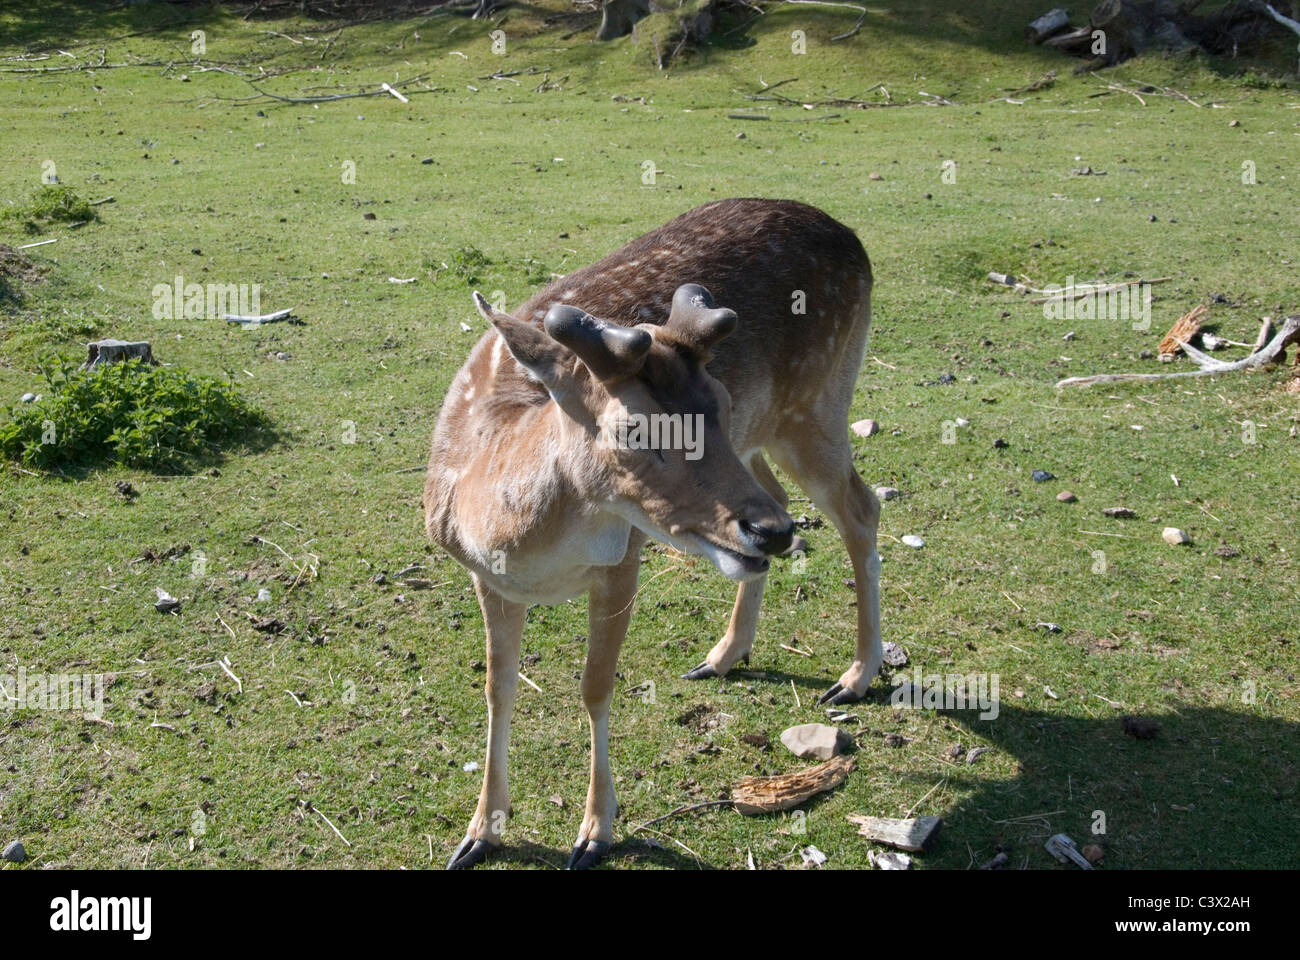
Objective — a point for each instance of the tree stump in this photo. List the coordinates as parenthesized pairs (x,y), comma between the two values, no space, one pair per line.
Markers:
(618,17)
(116,351)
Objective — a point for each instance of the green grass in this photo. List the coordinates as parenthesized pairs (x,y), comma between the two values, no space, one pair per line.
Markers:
(363,699)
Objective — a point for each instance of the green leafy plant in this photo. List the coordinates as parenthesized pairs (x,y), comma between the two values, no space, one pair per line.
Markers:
(53,203)
(469,263)
(131,414)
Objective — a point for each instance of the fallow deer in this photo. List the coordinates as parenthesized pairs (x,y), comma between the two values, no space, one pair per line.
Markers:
(525,489)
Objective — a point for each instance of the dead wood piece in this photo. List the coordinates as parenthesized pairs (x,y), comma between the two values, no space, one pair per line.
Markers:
(915,834)
(1188,326)
(1273,352)
(755,795)
(1050,23)
(116,351)
(1070,38)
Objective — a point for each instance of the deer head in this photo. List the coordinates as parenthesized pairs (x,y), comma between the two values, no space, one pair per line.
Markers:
(645,426)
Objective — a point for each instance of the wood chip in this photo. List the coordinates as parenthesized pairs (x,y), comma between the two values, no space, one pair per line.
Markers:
(1188,326)
(914,835)
(755,795)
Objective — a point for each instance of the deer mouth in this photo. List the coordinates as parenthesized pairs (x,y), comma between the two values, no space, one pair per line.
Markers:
(732,563)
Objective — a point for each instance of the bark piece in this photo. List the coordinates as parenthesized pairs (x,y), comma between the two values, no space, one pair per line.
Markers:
(1188,326)
(755,795)
(915,834)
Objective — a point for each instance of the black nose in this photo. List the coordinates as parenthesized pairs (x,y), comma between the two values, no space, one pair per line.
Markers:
(770,537)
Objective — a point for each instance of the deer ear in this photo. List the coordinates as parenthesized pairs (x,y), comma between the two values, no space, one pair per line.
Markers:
(535,351)
(695,321)
(609,351)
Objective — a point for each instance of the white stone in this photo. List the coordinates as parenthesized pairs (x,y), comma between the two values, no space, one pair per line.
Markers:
(865,428)
(815,740)
(914,541)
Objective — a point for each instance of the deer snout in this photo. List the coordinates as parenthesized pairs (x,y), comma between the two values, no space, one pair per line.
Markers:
(770,534)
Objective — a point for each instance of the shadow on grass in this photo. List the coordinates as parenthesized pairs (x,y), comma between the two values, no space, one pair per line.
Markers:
(1213,789)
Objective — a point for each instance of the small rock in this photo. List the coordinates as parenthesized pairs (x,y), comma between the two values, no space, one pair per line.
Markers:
(1048,627)
(1120,513)
(427,160)
(741,135)
(1227,552)
(839,716)
(956,750)
(798,546)
(815,740)
(894,740)
(14,852)
(1000,444)
(125,489)
(975,753)
(206,692)
(1175,537)
(865,428)
(263,595)
(888,493)
(28,398)
(997,863)
(470,767)
(556,799)
(1093,853)
(1065,496)
(1042,476)
(1234,123)
(963,422)
(367,216)
(875,176)
(913,541)
(1068,336)
(895,655)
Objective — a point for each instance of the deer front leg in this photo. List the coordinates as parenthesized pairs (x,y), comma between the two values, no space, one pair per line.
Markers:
(504,622)
(738,641)
(609,608)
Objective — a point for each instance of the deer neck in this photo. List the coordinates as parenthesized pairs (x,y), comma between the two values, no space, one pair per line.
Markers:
(521,506)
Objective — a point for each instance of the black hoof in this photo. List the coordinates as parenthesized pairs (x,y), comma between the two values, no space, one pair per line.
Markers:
(838,695)
(702,672)
(470,853)
(587,853)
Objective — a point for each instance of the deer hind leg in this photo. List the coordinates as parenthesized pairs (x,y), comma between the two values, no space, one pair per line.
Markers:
(738,641)
(823,467)
(504,621)
(609,608)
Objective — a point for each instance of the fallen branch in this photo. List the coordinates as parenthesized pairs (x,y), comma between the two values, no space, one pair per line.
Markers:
(1273,351)
(265,318)
(828,3)
(1079,290)
(685,808)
